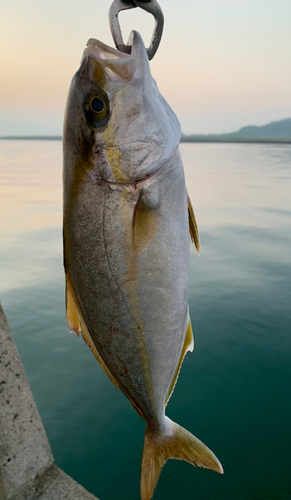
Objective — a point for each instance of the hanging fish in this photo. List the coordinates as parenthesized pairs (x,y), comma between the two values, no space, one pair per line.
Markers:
(127,227)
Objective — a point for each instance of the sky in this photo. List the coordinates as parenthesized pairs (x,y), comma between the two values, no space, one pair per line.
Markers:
(221,65)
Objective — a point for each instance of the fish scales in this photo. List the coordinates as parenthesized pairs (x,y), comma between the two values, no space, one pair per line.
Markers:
(163,281)
(95,258)
(126,241)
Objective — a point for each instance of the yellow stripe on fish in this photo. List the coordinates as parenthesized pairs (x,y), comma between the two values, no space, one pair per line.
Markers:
(113,156)
(99,73)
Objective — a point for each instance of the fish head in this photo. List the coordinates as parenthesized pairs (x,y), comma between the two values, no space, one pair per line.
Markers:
(117,124)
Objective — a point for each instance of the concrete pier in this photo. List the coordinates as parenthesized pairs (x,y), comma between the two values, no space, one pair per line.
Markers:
(27,471)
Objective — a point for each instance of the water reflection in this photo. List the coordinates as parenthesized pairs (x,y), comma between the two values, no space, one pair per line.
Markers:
(30,186)
(233,392)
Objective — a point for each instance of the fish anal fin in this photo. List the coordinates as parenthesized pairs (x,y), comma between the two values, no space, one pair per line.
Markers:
(172,442)
(187,346)
(193,226)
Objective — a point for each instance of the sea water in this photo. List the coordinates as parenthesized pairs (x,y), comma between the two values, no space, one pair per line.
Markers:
(234,391)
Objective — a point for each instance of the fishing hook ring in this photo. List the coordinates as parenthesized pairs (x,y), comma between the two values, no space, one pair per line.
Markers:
(150,6)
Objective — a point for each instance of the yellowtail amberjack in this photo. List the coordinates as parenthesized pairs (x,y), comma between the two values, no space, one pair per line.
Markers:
(126,241)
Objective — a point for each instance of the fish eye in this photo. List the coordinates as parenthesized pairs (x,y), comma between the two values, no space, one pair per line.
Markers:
(96,104)
(96,108)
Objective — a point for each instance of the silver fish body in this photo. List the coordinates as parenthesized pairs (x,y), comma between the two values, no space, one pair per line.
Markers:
(126,241)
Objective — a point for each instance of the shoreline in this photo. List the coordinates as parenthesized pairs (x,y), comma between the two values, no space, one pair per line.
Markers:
(183,140)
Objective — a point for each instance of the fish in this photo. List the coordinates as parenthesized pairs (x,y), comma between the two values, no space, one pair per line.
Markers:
(127,226)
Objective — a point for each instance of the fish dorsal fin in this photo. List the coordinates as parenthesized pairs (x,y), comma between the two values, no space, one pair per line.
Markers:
(188,346)
(193,226)
(77,324)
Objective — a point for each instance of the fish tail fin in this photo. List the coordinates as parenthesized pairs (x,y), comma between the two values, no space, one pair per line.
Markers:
(175,442)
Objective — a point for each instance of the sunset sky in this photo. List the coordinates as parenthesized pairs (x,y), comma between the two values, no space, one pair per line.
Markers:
(222,64)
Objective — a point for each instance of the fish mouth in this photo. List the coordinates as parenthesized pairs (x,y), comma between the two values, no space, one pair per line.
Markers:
(119,65)
(102,51)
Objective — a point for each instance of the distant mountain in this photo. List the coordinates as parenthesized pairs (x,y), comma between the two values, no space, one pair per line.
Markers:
(279,131)
(8,128)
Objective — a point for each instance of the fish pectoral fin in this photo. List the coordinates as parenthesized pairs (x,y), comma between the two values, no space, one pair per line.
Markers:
(173,442)
(144,225)
(193,226)
(76,324)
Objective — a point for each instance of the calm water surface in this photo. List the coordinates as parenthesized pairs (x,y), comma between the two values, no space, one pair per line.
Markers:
(234,390)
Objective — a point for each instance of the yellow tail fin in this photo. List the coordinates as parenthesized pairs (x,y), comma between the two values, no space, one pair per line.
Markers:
(174,442)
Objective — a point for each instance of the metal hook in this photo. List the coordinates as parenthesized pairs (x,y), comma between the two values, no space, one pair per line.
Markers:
(151,6)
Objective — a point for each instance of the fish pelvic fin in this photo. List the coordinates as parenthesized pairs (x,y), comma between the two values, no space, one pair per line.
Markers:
(193,229)
(174,442)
